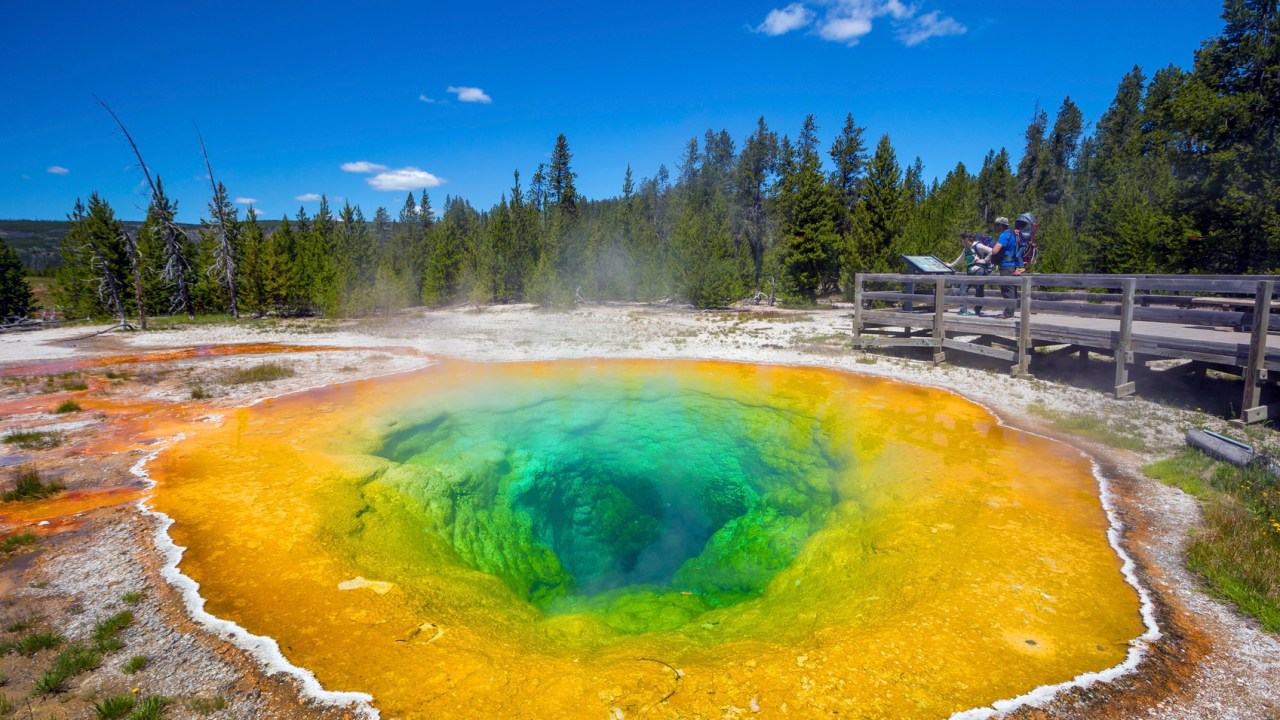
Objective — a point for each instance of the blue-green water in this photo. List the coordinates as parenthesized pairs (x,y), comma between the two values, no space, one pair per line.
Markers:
(644,502)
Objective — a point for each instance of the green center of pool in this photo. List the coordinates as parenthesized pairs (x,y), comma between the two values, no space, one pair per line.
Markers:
(645,504)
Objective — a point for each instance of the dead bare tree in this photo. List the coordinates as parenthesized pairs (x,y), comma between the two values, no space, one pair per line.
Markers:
(109,287)
(224,258)
(172,237)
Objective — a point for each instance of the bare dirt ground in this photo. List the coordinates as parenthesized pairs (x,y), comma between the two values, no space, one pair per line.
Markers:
(95,546)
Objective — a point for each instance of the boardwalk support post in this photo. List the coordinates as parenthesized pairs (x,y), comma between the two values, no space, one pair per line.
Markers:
(857,310)
(939,319)
(1124,344)
(1255,372)
(1023,368)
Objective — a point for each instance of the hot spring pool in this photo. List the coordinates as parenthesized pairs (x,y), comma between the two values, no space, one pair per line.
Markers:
(651,539)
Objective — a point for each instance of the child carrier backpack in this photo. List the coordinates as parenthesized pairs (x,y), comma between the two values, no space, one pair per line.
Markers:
(1026,232)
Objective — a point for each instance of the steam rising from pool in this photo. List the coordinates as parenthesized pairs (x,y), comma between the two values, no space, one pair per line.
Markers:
(569,539)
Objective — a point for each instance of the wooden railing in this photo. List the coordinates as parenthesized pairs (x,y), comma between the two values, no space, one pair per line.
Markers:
(1179,303)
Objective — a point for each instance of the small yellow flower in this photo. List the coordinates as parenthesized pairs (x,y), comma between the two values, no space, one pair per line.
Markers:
(134,690)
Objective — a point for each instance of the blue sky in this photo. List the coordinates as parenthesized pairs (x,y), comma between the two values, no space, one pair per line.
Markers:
(460,94)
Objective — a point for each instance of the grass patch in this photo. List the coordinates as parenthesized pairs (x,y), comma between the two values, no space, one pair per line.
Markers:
(7,706)
(151,707)
(266,372)
(116,375)
(75,385)
(133,597)
(22,625)
(71,662)
(1108,431)
(113,708)
(105,632)
(199,393)
(1189,471)
(32,643)
(34,439)
(134,664)
(204,706)
(17,540)
(1237,550)
(27,485)
(67,406)
(175,322)
(78,658)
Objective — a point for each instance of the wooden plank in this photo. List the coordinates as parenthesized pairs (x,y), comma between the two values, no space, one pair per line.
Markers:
(1257,349)
(875,342)
(962,346)
(1075,309)
(1260,413)
(1124,347)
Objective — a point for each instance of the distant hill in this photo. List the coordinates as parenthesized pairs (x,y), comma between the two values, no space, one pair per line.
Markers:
(38,242)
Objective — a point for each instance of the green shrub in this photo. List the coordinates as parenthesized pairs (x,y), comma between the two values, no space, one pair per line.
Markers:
(151,707)
(34,439)
(134,664)
(32,643)
(266,372)
(114,707)
(15,541)
(67,406)
(27,485)
(204,706)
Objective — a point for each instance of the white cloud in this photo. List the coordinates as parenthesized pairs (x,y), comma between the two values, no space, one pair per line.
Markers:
(363,166)
(57,170)
(930,25)
(782,21)
(405,178)
(848,21)
(429,101)
(844,29)
(246,201)
(470,94)
(307,197)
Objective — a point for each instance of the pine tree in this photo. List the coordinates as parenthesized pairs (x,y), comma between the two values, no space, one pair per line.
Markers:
(15,291)
(880,216)
(753,179)
(175,249)
(1032,163)
(73,288)
(1060,153)
(561,192)
(1229,113)
(996,187)
(849,153)
(811,254)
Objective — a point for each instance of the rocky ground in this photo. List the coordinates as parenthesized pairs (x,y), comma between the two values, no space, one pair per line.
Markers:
(97,553)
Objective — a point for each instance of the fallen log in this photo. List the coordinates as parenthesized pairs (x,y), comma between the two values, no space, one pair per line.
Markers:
(1226,449)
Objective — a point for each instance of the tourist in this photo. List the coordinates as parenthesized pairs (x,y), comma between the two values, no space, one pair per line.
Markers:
(976,259)
(1005,255)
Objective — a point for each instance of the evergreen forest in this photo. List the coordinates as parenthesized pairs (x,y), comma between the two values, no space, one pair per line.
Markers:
(1179,175)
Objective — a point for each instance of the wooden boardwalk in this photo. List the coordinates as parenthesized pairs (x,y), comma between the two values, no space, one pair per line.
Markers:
(1208,320)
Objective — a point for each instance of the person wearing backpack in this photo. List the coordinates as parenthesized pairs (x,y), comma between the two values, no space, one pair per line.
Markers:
(1025,228)
(1005,255)
(976,259)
